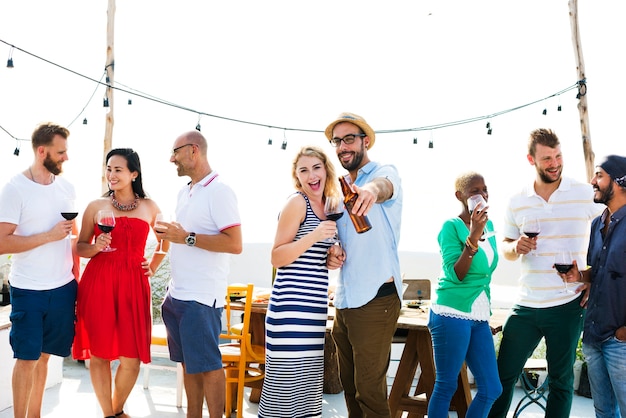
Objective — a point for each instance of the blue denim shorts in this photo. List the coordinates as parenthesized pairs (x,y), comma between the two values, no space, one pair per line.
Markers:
(42,321)
(193,334)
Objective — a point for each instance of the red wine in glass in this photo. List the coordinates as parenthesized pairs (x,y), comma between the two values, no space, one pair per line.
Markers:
(563,262)
(530,228)
(106,228)
(106,222)
(334,216)
(563,268)
(69,215)
(333,209)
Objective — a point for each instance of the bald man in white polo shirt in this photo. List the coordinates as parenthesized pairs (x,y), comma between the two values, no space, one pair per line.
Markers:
(207,230)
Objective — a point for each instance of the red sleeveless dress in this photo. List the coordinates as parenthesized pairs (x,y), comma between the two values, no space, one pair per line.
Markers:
(113,313)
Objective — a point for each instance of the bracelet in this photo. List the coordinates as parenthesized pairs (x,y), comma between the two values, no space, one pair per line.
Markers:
(470,245)
(581,276)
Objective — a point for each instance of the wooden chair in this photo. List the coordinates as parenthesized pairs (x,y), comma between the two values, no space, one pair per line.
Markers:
(158,348)
(241,359)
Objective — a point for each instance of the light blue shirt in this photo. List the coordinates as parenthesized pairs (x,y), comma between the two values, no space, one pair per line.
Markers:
(371,257)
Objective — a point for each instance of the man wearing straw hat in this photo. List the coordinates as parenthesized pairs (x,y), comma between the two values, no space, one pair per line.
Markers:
(370,278)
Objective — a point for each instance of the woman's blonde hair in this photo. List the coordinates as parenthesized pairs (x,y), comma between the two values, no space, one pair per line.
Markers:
(330,188)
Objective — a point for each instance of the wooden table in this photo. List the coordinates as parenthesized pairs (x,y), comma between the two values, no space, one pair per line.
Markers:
(418,350)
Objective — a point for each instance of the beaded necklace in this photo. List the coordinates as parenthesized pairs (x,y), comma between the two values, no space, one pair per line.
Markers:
(124,208)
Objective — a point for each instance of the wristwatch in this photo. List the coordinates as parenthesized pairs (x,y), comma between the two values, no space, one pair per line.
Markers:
(191,239)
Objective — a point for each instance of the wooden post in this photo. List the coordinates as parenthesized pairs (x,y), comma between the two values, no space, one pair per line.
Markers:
(582,90)
(110,67)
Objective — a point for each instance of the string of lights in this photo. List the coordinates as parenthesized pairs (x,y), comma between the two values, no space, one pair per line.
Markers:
(580,85)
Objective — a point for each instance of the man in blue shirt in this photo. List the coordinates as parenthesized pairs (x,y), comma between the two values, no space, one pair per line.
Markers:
(604,336)
(370,278)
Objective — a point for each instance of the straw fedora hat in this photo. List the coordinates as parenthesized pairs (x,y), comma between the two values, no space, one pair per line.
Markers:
(356,120)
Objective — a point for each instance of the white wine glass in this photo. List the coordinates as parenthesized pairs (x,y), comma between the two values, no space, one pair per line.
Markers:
(563,262)
(69,212)
(531,228)
(106,222)
(472,202)
(333,209)
(159,247)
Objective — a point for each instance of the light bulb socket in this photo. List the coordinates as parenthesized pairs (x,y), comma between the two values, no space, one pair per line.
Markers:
(269,141)
(489,131)
(545,112)
(85,121)
(430,144)
(415,140)
(130,101)
(284,145)
(488,125)
(10,63)
(198,128)
(105,102)
(16,152)
(558,109)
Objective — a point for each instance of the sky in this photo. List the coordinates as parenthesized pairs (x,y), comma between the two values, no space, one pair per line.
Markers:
(295,66)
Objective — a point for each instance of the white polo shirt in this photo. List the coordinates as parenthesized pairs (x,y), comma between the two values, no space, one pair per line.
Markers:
(208,207)
(565,223)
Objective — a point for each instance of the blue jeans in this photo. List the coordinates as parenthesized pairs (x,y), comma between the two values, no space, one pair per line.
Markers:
(606,367)
(454,341)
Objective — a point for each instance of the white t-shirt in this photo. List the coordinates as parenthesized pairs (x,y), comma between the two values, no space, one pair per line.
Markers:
(36,208)
(565,224)
(209,207)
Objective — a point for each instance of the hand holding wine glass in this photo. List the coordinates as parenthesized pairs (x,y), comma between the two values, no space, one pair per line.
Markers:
(106,222)
(531,228)
(333,209)
(478,201)
(69,212)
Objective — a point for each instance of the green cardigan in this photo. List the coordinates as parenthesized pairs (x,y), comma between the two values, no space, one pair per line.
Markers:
(451,291)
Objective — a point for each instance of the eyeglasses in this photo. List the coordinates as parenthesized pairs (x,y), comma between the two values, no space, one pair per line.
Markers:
(175,150)
(348,139)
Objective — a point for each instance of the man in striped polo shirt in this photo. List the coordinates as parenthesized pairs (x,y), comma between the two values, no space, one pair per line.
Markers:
(545,308)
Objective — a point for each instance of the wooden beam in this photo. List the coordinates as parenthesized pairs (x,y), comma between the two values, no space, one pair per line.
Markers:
(110,67)
(583,109)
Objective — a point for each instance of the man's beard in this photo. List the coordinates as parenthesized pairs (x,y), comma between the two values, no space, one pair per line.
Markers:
(356,161)
(52,166)
(547,179)
(605,195)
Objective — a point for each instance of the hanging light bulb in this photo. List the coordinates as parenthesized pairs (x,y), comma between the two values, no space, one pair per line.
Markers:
(85,121)
(269,141)
(545,111)
(105,102)
(16,152)
(284,145)
(130,101)
(558,109)
(10,61)
(488,125)
(415,140)
(198,127)
(431,144)
(489,131)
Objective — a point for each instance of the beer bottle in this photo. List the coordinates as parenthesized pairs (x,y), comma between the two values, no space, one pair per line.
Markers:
(361,223)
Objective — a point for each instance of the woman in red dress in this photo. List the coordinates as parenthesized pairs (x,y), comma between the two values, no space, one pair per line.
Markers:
(114,318)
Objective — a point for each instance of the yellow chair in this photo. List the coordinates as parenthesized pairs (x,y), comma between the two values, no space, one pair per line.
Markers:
(158,348)
(241,359)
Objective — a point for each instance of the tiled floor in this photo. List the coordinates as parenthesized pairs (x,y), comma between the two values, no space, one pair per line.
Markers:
(74,398)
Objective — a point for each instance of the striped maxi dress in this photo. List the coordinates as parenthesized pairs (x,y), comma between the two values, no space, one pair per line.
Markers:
(295,329)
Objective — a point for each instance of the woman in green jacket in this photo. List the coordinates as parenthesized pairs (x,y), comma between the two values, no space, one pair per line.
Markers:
(459,317)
